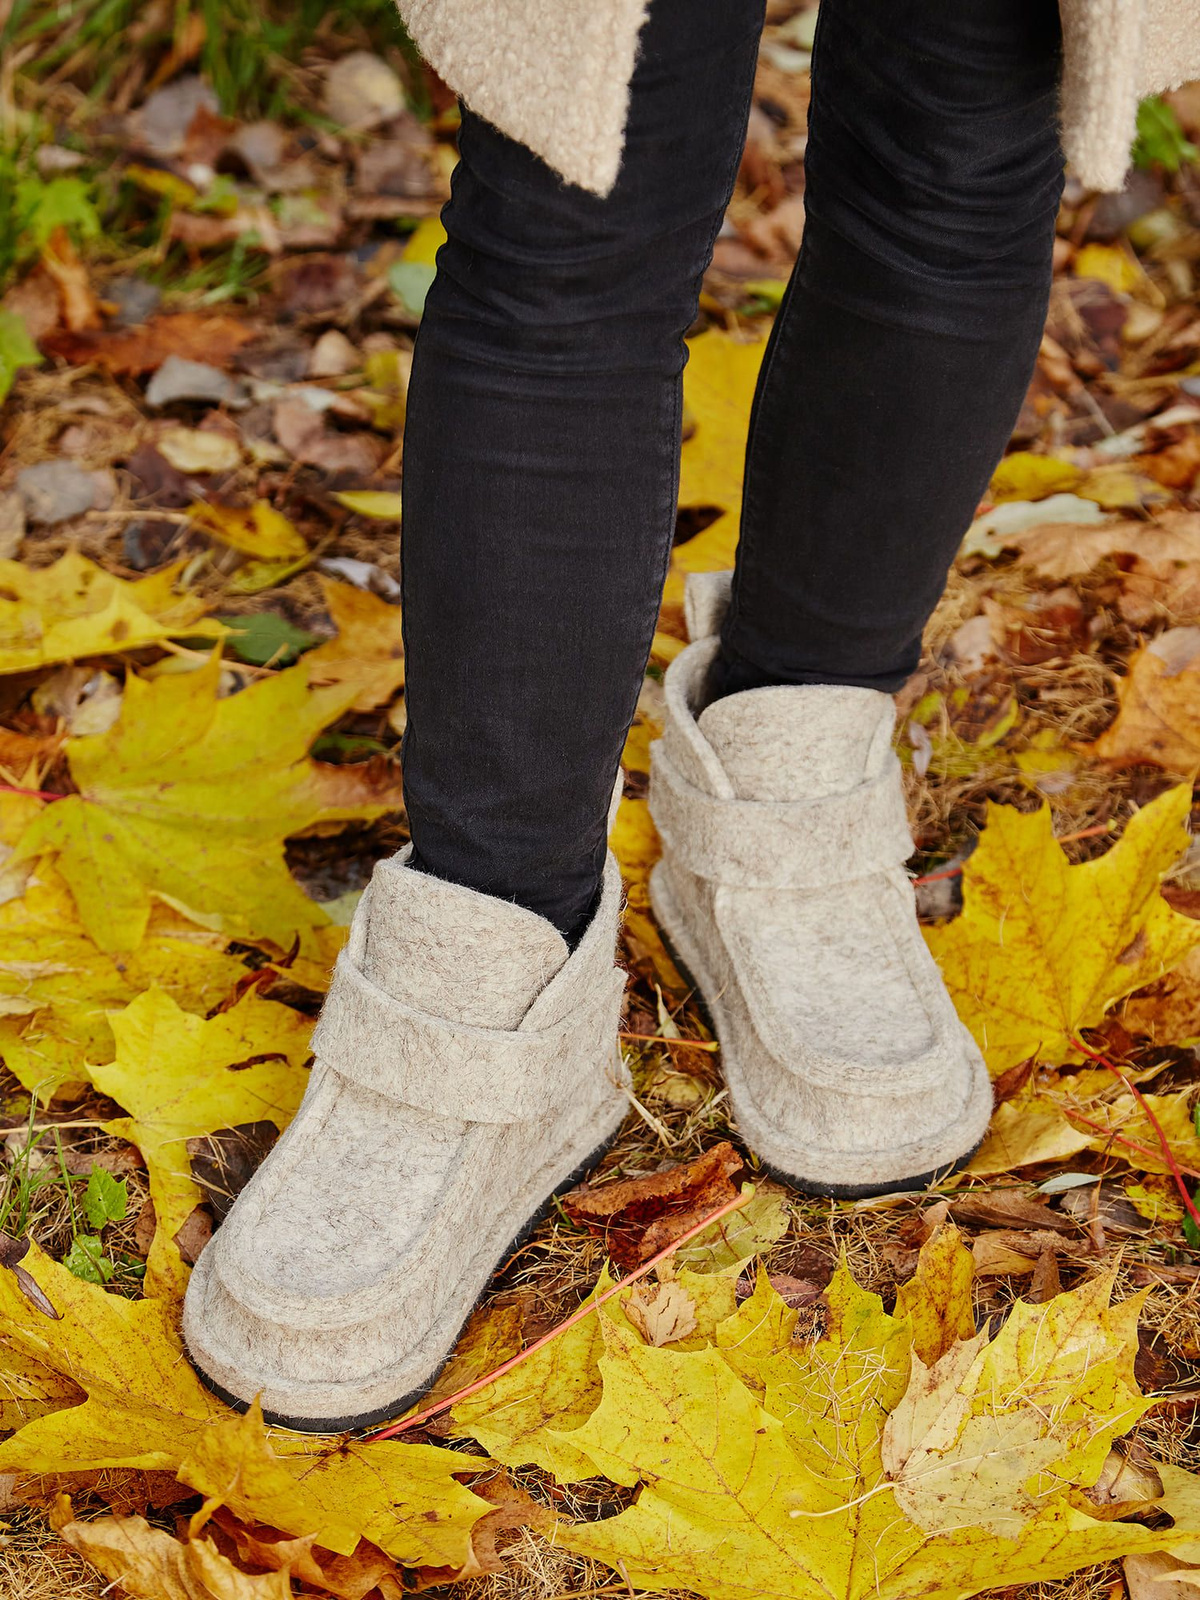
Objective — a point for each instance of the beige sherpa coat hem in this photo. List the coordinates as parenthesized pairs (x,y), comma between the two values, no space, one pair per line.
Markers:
(554,74)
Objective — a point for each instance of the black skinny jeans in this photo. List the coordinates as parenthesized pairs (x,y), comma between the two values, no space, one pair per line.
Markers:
(542,441)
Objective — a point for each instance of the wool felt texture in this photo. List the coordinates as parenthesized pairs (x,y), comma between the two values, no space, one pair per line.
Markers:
(556,76)
(782,887)
(466,1065)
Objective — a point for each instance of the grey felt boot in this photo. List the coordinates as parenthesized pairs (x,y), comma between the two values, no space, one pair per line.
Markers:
(466,1067)
(782,889)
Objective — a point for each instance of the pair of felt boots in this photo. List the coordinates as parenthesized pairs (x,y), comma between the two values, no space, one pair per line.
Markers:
(466,1062)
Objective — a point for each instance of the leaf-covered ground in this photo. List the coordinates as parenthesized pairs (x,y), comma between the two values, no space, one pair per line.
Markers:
(214,249)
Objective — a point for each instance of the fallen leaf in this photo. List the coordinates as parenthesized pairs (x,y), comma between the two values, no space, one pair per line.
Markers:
(661,1313)
(1169,1012)
(79,307)
(180,379)
(146,1408)
(197,450)
(718,388)
(350,1577)
(1160,1577)
(57,985)
(361,91)
(1026,476)
(58,490)
(308,437)
(179,1077)
(525,1416)
(1042,948)
(990,1432)
(144,1404)
(368,651)
(779,1487)
(258,530)
(381,504)
(936,1300)
(151,1564)
(129,352)
(1158,715)
(1010,1251)
(188,798)
(636,1217)
(74,608)
(1025,1135)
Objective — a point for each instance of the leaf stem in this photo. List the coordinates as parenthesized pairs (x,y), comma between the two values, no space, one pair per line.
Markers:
(419,1417)
(35,794)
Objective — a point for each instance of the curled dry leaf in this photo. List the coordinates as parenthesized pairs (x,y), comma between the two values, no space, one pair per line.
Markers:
(1158,716)
(636,1217)
(150,1564)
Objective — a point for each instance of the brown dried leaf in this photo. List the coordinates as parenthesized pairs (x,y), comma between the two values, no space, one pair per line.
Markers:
(636,1217)
(131,352)
(150,1565)
(1158,719)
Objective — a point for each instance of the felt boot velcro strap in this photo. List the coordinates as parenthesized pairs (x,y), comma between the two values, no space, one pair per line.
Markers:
(472,1074)
(795,844)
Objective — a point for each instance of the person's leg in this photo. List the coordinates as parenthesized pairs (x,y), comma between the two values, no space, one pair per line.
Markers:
(900,358)
(541,464)
(895,370)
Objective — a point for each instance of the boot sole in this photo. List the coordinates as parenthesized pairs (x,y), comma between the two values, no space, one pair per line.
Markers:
(356,1421)
(683,954)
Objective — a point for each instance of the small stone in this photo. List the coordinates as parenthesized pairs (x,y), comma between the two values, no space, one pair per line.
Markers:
(55,491)
(179,379)
(135,299)
(164,120)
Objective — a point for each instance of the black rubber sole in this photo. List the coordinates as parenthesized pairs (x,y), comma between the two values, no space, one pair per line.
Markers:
(793,1180)
(395,1409)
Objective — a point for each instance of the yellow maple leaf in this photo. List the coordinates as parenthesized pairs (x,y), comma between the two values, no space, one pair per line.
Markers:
(145,1408)
(404,1498)
(1042,948)
(521,1417)
(179,1077)
(189,798)
(718,390)
(144,1403)
(779,1487)
(56,984)
(74,608)
(368,651)
(994,1430)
